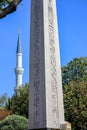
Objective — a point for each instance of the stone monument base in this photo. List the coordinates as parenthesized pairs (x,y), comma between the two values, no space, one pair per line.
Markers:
(44,129)
(65,126)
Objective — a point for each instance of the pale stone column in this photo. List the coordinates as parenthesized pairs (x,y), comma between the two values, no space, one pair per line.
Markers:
(45,93)
(19,69)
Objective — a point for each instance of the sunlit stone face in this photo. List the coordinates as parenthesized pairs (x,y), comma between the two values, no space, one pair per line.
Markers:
(45,92)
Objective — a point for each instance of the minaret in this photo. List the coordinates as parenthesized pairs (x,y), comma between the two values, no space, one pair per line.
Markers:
(18,70)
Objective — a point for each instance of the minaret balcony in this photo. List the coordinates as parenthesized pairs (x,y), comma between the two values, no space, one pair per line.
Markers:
(19,70)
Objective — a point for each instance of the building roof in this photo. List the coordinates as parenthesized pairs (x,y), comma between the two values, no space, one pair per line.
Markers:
(19,49)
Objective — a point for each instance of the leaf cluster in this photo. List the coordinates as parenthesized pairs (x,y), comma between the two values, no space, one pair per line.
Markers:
(14,122)
(4,113)
(8,6)
(75,93)
(75,70)
(4,3)
(75,103)
(18,104)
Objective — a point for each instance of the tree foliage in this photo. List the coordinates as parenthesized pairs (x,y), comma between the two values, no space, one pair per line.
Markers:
(75,93)
(8,6)
(75,70)
(3,3)
(14,122)
(75,101)
(19,104)
(4,113)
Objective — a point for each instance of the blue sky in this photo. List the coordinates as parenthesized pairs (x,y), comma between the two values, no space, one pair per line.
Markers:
(72,21)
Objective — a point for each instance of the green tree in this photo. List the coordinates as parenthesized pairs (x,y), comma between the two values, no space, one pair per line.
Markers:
(8,6)
(74,76)
(19,104)
(75,103)
(75,70)
(14,122)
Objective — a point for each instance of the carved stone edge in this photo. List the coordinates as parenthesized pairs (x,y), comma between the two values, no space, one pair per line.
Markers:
(65,126)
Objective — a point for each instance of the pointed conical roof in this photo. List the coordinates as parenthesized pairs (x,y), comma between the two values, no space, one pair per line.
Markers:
(19,49)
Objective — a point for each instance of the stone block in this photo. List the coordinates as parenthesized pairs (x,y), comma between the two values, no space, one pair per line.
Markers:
(65,126)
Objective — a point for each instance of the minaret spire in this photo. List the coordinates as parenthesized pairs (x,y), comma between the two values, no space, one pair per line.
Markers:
(19,49)
(18,70)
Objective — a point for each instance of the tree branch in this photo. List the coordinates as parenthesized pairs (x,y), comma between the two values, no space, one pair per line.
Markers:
(10,8)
